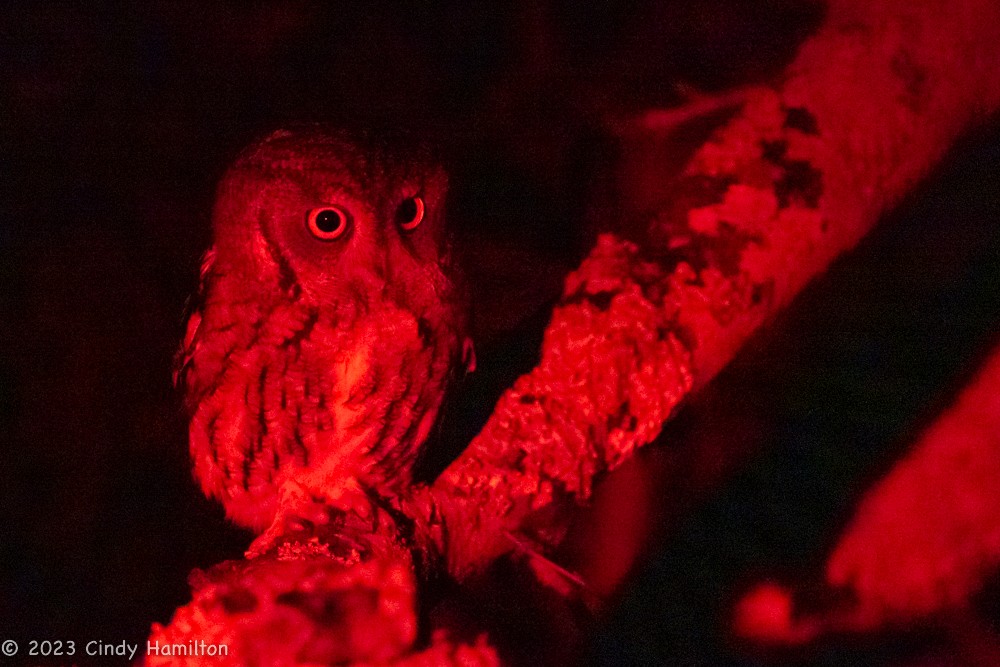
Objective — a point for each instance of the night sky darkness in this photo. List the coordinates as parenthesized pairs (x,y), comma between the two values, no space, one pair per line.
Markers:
(118,118)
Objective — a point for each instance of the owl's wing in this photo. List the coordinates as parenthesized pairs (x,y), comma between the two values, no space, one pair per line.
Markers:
(193,309)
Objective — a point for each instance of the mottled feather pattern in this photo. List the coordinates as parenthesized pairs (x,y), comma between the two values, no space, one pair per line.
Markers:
(309,358)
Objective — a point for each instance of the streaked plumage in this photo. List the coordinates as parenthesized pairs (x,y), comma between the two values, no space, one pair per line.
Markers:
(330,321)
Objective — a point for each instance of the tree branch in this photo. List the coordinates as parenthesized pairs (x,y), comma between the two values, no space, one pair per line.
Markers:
(797,177)
(871,102)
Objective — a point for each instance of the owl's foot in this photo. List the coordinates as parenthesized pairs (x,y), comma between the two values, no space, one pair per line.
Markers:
(306,511)
(299,510)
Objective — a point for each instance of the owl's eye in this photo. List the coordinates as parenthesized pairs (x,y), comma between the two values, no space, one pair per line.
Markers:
(327,223)
(410,213)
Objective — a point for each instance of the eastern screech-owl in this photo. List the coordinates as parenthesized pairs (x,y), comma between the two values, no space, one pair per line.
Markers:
(331,319)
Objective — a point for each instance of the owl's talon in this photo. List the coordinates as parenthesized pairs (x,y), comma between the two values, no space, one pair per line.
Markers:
(266,541)
(300,510)
(278,533)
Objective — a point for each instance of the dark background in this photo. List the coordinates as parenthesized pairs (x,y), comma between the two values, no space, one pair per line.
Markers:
(117,119)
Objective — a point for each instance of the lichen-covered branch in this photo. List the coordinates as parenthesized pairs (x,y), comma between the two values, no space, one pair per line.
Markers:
(797,177)
(340,589)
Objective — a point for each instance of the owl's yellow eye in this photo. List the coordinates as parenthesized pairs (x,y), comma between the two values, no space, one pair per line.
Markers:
(410,213)
(327,223)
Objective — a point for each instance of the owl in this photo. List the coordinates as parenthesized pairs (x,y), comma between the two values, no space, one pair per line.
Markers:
(331,319)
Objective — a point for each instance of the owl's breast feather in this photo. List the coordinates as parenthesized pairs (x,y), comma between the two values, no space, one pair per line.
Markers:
(315,399)
(352,376)
(376,377)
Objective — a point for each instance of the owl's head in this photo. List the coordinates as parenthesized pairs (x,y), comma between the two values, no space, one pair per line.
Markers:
(331,217)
